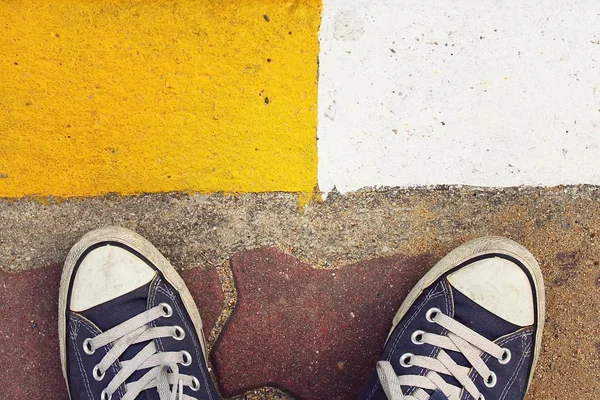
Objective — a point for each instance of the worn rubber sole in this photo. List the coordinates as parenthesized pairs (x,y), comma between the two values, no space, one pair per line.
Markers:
(475,248)
(142,246)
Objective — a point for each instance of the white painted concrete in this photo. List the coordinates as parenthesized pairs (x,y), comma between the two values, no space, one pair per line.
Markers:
(486,93)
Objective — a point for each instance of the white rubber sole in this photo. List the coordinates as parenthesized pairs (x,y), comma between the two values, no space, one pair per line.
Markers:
(142,246)
(478,247)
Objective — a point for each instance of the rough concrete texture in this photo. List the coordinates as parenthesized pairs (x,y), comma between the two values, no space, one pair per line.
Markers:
(559,225)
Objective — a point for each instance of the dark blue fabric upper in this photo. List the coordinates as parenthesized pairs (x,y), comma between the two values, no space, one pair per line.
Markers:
(100,318)
(512,378)
(437,395)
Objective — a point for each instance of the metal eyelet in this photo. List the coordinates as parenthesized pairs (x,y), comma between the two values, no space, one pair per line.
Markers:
(166,309)
(405,360)
(195,384)
(491,380)
(97,373)
(481,397)
(105,396)
(186,358)
(417,337)
(506,356)
(87,347)
(432,314)
(179,333)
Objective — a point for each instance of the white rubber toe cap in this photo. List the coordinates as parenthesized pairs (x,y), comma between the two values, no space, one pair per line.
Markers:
(106,273)
(498,285)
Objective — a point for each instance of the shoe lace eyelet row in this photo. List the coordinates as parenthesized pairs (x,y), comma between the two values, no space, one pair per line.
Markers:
(417,337)
(178,334)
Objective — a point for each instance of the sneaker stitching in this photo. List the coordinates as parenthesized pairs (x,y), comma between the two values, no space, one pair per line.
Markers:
(153,291)
(86,383)
(427,298)
(521,334)
(157,290)
(405,326)
(199,355)
(518,369)
(107,349)
(446,291)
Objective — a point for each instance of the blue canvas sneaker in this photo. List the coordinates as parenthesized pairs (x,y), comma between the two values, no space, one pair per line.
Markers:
(128,326)
(470,329)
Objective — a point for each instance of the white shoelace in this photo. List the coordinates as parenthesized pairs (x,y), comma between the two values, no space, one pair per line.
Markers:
(459,339)
(164,366)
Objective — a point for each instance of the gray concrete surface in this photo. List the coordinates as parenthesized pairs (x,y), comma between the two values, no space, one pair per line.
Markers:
(208,229)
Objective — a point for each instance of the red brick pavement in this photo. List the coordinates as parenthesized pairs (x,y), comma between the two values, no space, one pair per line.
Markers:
(315,334)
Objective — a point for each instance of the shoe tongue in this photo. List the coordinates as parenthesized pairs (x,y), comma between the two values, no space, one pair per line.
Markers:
(478,319)
(116,311)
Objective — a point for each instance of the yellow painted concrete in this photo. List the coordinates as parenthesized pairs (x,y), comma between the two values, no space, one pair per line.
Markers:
(153,96)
